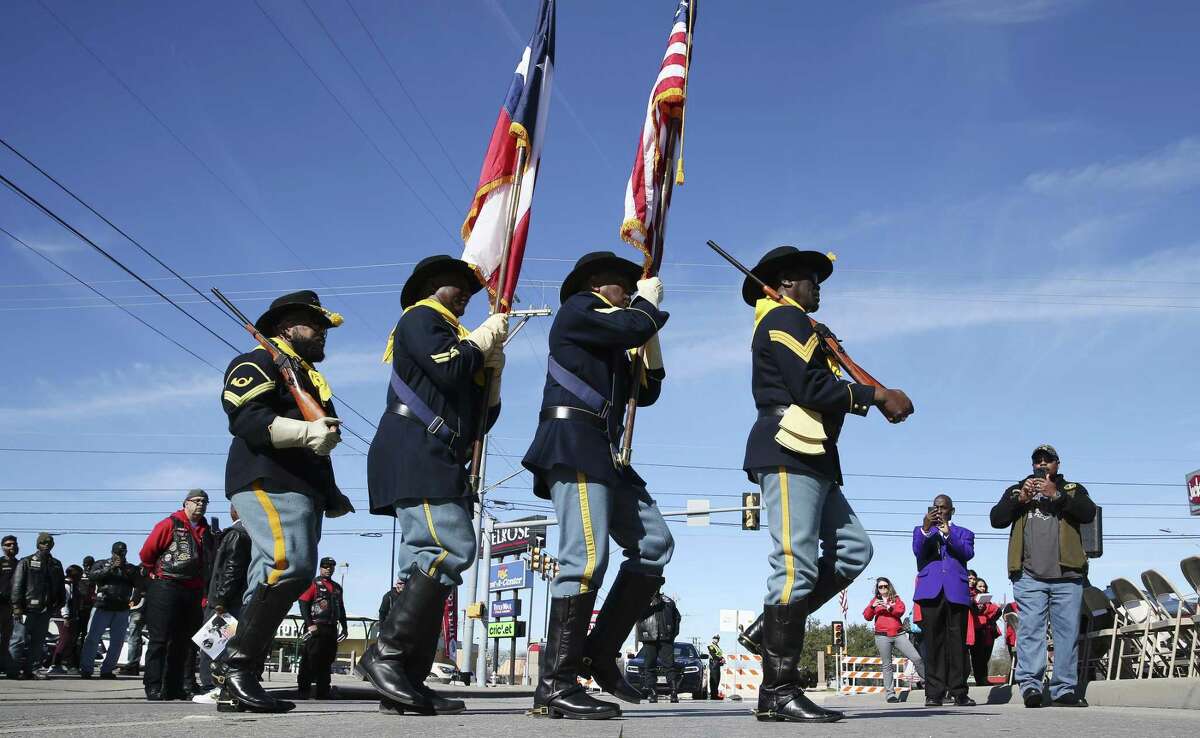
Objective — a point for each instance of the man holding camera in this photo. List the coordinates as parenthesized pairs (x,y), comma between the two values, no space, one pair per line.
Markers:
(1047,565)
(943,550)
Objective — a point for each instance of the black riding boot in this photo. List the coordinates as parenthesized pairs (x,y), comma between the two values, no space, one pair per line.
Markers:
(828,584)
(419,665)
(627,599)
(558,693)
(780,698)
(247,652)
(387,663)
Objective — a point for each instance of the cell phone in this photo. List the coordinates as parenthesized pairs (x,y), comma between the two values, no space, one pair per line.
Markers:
(1041,473)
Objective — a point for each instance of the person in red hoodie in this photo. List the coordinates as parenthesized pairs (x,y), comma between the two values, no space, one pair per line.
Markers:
(886,608)
(983,617)
(174,555)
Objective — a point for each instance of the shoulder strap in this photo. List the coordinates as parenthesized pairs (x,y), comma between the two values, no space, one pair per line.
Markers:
(435,424)
(595,401)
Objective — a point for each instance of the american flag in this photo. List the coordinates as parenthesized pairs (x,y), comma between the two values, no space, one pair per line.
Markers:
(522,123)
(645,201)
(844,602)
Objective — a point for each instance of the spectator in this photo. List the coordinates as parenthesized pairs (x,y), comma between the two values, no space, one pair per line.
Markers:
(1046,563)
(68,630)
(87,589)
(174,551)
(37,593)
(984,614)
(226,590)
(390,598)
(943,550)
(971,579)
(324,612)
(8,565)
(716,659)
(117,586)
(137,629)
(886,608)
(657,630)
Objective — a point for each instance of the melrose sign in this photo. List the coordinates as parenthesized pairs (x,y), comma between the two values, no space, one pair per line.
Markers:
(507,541)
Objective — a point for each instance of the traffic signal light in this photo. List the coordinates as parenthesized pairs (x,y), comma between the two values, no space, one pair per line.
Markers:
(535,559)
(839,635)
(750,518)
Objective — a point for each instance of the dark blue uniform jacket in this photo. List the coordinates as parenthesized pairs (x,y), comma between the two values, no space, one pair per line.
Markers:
(406,461)
(791,366)
(590,338)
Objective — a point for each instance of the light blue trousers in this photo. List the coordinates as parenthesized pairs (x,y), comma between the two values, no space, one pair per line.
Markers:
(1057,602)
(284,529)
(804,512)
(438,538)
(116,622)
(588,514)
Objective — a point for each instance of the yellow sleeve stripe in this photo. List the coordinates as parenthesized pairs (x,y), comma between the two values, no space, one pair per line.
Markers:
(251,364)
(607,310)
(803,350)
(445,356)
(239,400)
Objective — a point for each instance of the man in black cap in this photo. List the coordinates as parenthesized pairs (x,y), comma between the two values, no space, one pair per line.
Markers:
(416,469)
(323,611)
(8,565)
(657,630)
(174,554)
(280,479)
(390,598)
(1048,565)
(118,586)
(38,591)
(819,544)
(573,458)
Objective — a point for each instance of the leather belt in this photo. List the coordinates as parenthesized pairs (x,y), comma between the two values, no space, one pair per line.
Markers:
(562,412)
(773,411)
(437,428)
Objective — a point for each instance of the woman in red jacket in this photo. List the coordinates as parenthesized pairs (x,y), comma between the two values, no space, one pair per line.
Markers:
(886,609)
(983,622)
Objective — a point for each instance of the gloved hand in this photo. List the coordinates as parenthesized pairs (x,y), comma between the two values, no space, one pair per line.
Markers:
(339,507)
(319,436)
(494,393)
(490,333)
(653,353)
(495,360)
(651,290)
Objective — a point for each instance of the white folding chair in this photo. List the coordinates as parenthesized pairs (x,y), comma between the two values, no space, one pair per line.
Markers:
(1010,624)
(1148,628)
(1191,573)
(1100,634)
(1179,613)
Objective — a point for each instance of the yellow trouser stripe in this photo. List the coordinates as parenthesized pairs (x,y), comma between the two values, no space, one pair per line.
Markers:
(589,539)
(785,533)
(433,532)
(280,552)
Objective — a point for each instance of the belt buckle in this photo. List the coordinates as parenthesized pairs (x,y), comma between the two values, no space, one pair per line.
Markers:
(603,414)
(436,425)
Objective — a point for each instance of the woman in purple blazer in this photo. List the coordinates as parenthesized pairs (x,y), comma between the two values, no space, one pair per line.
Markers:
(942,552)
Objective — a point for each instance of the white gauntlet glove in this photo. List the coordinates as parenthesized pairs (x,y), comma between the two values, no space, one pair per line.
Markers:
(494,395)
(651,290)
(495,360)
(319,436)
(490,333)
(653,353)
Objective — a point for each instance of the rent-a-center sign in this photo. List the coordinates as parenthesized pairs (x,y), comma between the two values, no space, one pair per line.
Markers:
(1193,483)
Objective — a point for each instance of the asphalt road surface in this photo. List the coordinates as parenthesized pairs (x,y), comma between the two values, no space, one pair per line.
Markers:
(70,707)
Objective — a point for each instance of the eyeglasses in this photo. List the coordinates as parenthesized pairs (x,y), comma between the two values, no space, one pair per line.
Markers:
(201,503)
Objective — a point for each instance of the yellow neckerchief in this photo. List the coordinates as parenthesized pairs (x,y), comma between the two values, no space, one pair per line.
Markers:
(438,308)
(316,377)
(766,305)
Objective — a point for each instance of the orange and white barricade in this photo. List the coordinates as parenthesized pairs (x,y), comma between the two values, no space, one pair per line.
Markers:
(741,675)
(856,675)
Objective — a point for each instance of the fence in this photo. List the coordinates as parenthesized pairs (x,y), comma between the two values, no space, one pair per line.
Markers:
(851,675)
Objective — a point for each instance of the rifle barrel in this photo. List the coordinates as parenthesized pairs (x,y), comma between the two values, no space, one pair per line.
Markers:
(232,308)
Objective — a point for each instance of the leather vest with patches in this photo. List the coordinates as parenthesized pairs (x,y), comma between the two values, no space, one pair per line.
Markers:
(182,558)
(325,603)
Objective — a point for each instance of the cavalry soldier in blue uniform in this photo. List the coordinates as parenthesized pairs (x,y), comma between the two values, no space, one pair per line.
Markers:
(574,463)
(792,454)
(279,478)
(324,612)
(416,469)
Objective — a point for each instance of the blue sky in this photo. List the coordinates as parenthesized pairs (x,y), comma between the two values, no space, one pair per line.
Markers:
(1010,189)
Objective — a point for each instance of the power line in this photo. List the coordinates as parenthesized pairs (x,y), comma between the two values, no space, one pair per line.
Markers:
(396,170)
(123,309)
(170,131)
(379,104)
(416,107)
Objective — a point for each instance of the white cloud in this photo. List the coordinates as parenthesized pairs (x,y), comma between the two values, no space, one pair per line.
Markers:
(995,12)
(1172,169)
(130,391)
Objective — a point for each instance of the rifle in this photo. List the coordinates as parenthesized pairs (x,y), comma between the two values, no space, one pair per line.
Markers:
(310,409)
(831,341)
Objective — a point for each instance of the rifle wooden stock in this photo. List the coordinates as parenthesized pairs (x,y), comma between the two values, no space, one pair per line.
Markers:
(310,409)
(860,375)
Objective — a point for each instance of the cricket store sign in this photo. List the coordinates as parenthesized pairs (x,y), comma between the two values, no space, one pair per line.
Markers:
(1193,484)
(509,575)
(506,629)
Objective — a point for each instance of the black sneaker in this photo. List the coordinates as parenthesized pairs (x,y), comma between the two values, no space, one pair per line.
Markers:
(963,700)
(85,675)
(104,675)
(1069,700)
(893,698)
(1032,698)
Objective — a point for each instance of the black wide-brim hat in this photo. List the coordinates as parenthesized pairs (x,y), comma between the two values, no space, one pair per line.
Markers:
(302,299)
(428,267)
(785,257)
(595,263)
